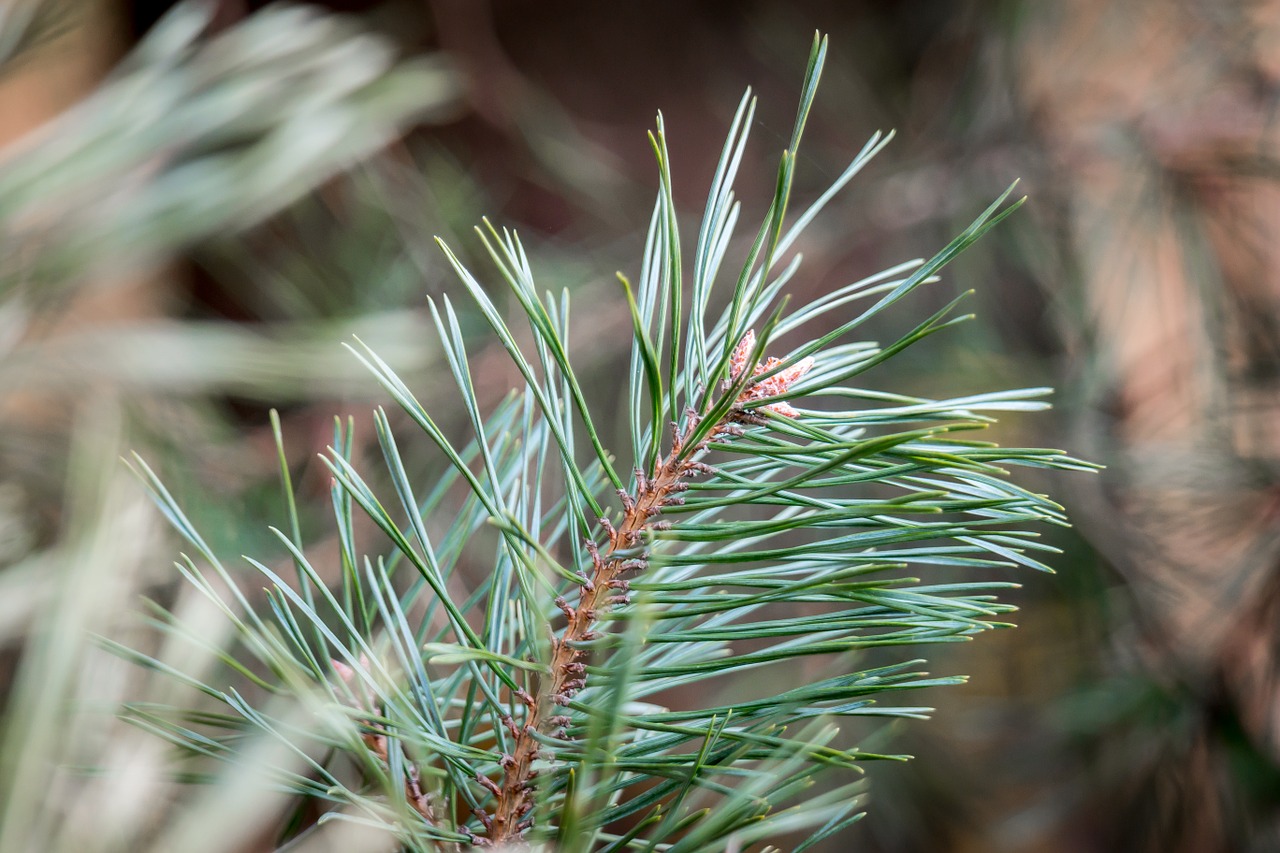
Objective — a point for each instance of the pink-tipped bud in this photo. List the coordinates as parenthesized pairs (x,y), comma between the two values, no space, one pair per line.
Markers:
(773,386)
(741,353)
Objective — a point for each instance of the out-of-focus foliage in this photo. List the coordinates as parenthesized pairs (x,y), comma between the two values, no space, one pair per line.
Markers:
(193,137)
(24,25)
(200,133)
(1162,166)
(1140,281)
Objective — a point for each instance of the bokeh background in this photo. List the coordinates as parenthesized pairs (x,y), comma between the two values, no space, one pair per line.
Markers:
(193,215)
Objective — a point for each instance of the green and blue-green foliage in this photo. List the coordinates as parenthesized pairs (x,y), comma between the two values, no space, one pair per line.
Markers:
(769,516)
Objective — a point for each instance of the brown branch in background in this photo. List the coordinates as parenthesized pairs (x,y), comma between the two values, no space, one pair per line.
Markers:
(414,793)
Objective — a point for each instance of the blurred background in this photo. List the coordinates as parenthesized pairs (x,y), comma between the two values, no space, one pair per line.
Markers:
(197,204)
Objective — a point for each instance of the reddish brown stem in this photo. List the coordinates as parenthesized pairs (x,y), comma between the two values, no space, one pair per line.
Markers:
(606,587)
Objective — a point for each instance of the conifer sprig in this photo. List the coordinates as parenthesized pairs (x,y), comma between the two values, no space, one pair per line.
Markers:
(530,704)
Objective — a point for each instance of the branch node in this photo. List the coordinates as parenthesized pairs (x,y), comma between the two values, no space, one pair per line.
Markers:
(488,784)
(609,530)
(677,440)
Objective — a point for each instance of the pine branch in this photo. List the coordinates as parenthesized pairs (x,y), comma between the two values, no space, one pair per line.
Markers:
(484,724)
